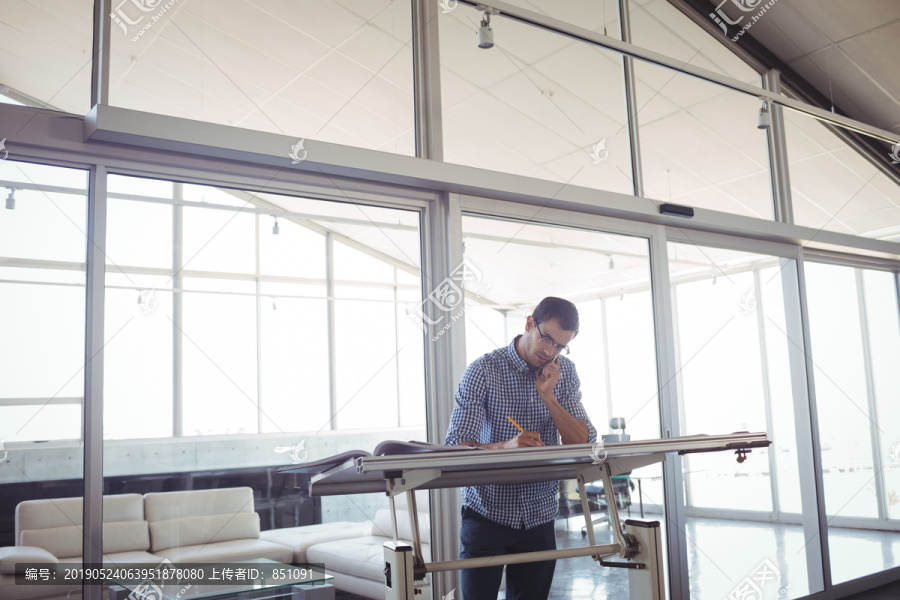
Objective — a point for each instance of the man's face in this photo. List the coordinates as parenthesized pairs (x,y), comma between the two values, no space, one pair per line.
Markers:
(537,353)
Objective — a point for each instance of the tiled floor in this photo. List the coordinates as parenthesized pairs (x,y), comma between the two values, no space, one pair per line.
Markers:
(583,578)
(716,556)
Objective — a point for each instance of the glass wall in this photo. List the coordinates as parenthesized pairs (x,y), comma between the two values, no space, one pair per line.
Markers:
(247,331)
(607,276)
(736,321)
(700,145)
(43,244)
(332,70)
(853,315)
(46,54)
(536,104)
(660,26)
(834,187)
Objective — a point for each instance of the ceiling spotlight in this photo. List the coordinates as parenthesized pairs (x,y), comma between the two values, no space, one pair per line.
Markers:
(275,230)
(485,34)
(11,199)
(764,118)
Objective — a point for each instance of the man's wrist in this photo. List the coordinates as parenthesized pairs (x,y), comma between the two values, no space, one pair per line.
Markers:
(548,398)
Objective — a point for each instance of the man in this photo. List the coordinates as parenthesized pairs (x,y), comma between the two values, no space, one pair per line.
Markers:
(532,384)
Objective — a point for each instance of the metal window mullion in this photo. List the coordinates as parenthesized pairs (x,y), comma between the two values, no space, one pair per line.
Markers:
(631,108)
(806,423)
(427,80)
(779,169)
(100,54)
(95,261)
(669,399)
(259,397)
(442,247)
(177,314)
(767,392)
(679,390)
(397,344)
(874,431)
(329,317)
(54,400)
(606,368)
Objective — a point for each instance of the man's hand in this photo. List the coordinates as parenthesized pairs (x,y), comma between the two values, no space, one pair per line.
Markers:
(571,430)
(526,439)
(548,377)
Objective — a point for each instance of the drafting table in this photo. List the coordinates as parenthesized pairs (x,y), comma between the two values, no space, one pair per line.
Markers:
(639,548)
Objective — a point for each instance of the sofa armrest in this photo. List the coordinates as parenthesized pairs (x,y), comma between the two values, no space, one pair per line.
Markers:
(12,555)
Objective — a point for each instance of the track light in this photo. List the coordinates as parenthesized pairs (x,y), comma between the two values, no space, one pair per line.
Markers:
(764,119)
(275,230)
(485,34)
(11,199)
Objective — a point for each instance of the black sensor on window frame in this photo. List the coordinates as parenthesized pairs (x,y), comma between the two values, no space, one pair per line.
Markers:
(676,210)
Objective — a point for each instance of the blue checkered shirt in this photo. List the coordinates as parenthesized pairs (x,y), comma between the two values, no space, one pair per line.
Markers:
(496,386)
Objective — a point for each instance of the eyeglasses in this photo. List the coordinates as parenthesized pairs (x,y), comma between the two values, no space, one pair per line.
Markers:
(547,342)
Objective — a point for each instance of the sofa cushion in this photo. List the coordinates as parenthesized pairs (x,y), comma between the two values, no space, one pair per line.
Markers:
(125,536)
(381,525)
(230,551)
(161,506)
(62,542)
(66,542)
(118,558)
(203,529)
(298,539)
(362,557)
(62,512)
(129,557)
(11,555)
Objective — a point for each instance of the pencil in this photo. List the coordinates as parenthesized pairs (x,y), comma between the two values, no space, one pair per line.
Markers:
(516,424)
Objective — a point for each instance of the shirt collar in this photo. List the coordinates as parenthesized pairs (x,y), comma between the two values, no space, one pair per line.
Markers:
(514,357)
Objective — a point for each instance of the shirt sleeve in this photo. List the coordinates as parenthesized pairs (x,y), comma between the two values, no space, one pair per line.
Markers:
(570,399)
(467,418)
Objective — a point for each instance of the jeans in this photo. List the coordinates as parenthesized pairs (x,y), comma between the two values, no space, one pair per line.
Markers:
(480,536)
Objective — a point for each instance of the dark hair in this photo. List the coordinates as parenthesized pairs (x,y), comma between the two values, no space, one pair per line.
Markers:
(559,309)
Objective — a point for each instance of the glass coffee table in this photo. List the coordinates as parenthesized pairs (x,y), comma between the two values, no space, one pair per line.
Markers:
(257,579)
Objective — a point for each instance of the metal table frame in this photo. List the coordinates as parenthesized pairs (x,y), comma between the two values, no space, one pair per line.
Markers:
(638,547)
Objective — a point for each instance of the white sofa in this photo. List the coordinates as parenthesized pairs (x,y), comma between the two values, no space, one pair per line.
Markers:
(208,526)
(191,526)
(202,526)
(49,532)
(357,563)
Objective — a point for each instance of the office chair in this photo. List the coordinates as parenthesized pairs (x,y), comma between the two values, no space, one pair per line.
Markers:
(622,486)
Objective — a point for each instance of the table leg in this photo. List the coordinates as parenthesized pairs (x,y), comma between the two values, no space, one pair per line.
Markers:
(641,498)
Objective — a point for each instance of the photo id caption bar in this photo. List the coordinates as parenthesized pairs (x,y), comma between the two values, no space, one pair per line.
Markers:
(189,573)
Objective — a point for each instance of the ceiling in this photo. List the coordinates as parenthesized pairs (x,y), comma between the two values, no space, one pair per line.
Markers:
(846,50)
(537,104)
